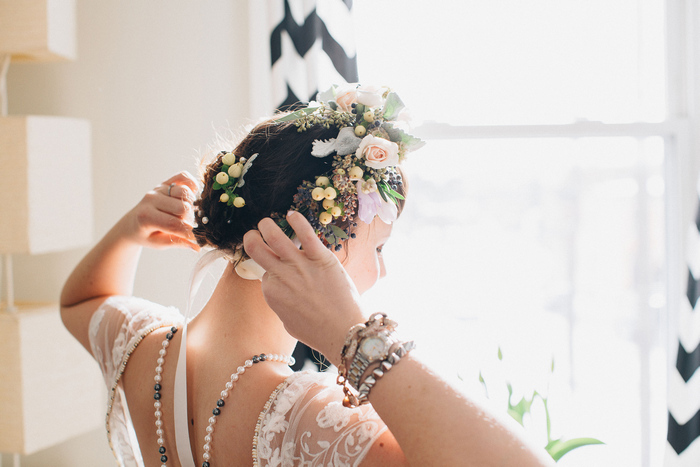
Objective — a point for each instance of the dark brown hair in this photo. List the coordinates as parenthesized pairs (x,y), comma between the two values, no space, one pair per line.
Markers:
(284,161)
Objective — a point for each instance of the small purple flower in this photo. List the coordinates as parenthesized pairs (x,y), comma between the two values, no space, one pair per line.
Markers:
(371,204)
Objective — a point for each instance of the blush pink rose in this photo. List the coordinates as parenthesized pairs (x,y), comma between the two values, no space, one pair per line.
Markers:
(378,152)
(346,96)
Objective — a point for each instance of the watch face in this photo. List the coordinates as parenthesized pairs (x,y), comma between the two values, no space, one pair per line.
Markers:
(373,347)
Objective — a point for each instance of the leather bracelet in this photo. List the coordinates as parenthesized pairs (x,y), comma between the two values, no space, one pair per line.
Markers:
(386,365)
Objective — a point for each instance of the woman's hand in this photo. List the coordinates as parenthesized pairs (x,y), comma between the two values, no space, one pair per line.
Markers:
(308,288)
(165,216)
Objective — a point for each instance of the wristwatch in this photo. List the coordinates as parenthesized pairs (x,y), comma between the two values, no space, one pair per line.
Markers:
(371,349)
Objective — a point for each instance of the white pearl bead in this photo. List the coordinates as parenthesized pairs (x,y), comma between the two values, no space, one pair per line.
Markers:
(160,360)
(240,370)
(159,432)
(207,439)
(224,394)
(166,344)
(210,429)
(234,377)
(272,357)
(212,420)
(161,441)
(159,423)
(229,385)
(206,456)
(207,447)
(159,414)
(248,363)
(162,352)
(157,378)
(157,404)
(159,369)
(163,465)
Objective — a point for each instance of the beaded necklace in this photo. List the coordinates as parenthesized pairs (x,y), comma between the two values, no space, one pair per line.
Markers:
(206,456)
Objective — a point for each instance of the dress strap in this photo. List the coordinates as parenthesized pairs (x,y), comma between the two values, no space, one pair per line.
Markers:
(182,432)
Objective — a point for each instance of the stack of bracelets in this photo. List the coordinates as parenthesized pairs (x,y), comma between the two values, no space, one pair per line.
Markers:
(370,349)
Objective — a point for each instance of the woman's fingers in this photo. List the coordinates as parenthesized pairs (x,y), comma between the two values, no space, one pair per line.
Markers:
(307,236)
(258,250)
(154,220)
(183,178)
(277,240)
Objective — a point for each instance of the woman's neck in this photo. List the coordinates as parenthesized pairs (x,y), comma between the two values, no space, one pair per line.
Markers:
(237,322)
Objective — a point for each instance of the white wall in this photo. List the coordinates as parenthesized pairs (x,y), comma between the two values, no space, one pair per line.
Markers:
(155,79)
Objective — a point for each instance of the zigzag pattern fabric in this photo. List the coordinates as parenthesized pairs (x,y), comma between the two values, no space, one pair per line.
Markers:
(311,47)
(683,448)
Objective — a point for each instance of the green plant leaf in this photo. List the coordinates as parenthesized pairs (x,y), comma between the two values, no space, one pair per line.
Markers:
(338,232)
(216,186)
(392,106)
(559,447)
(296,115)
(500,353)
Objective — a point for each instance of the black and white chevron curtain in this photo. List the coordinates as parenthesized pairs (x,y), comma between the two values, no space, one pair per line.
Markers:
(299,47)
(684,385)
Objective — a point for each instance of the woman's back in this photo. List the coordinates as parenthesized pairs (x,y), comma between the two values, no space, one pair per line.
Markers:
(267,410)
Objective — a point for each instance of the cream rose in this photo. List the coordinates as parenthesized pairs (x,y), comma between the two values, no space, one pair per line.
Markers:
(345,96)
(370,96)
(378,152)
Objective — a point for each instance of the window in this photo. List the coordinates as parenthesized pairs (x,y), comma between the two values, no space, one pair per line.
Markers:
(539,218)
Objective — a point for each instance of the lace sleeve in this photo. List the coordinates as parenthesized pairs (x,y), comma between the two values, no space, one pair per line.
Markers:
(118,324)
(116,328)
(305,423)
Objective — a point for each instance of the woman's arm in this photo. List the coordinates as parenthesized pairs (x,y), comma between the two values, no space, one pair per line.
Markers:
(432,423)
(158,221)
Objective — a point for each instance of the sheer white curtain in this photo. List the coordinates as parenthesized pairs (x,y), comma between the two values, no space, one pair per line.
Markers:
(546,214)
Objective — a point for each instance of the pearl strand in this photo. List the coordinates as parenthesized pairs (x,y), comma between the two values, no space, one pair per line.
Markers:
(206,455)
(158,378)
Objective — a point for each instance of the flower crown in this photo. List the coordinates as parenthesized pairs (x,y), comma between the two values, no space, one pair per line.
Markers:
(364,178)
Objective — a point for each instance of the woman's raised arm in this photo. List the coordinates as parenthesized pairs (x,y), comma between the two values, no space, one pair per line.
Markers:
(432,423)
(162,219)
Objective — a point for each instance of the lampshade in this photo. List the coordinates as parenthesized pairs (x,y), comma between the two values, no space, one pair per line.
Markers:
(45,184)
(38,30)
(50,387)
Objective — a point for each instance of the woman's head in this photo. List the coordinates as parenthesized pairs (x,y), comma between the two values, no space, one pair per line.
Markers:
(338,167)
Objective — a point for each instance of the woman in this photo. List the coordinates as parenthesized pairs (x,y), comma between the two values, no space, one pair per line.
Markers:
(304,203)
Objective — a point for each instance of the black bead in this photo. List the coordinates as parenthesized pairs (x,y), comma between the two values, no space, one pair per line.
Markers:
(220,403)
(216,411)
(156,396)
(169,336)
(353,235)
(161,449)
(263,357)
(157,387)
(256,359)
(164,458)
(173,329)
(205,464)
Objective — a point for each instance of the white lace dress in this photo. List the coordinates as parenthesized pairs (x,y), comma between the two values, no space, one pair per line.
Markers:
(303,423)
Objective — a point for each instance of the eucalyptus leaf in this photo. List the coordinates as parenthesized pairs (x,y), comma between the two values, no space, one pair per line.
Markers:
(296,115)
(338,232)
(392,106)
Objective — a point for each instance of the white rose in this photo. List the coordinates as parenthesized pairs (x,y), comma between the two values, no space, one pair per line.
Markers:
(378,152)
(370,96)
